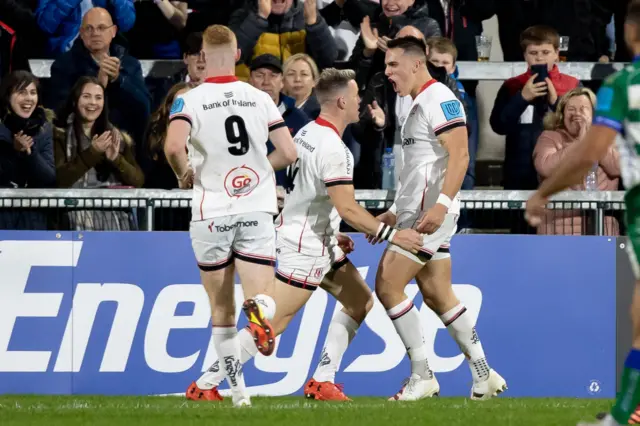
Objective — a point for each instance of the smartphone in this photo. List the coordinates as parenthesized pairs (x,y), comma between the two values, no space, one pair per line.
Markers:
(541,70)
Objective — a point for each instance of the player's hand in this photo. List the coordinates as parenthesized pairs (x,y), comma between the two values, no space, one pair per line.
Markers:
(345,243)
(553,94)
(432,219)
(186,181)
(369,37)
(387,218)
(532,90)
(280,195)
(535,209)
(377,114)
(310,12)
(408,239)
(264,8)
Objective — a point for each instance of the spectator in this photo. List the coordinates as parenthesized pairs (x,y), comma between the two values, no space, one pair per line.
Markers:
(157,29)
(564,128)
(20,36)
(443,53)
(96,55)
(392,15)
(266,75)
(26,153)
(522,103)
(158,172)
(207,12)
(194,72)
(90,152)
(282,28)
(344,30)
(300,76)
(61,20)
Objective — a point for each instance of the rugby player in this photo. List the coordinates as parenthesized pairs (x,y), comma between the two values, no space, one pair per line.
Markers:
(310,250)
(225,124)
(616,119)
(434,140)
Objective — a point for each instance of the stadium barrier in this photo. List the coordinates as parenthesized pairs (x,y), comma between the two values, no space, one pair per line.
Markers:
(468,70)
(124,313)
(150,209)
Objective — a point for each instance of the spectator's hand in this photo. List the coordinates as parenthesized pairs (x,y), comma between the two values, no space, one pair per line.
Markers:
(553,94)
(101,142)
(113,150)
(264,8)
(340,3)
(604,59)
(535,209)
(310,12)
(377,114)
(22,142)
(345,243)
(432,219)
(109,67)
(186,181)
(583,125)
(532,90)
(369,37)
(387,218)
(382,43)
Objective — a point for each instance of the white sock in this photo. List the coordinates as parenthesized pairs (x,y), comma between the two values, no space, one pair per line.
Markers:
(406,320)
(267,305)
(342,330)
(215,375)
(461,327)
(227,346)
(609,421)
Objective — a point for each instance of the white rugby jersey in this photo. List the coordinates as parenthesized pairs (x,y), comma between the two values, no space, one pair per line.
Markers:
(309,220)
(230,124)
(434,111)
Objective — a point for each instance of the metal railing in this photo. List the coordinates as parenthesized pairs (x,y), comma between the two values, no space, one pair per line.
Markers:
(467,70)
(150,205)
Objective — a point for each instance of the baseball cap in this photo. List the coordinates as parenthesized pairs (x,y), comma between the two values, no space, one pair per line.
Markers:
(266,61)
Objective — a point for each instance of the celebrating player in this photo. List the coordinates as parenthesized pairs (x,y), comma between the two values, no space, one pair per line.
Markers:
(616,119)
(434,140)
(308,239)
(227,123)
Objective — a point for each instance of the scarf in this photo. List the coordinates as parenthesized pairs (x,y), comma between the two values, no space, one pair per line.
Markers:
(562,82)
(29,126)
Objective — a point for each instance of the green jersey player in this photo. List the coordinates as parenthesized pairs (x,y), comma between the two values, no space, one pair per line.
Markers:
(617,118)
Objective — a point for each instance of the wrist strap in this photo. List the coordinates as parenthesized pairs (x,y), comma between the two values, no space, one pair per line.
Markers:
(444,200)
(385,232)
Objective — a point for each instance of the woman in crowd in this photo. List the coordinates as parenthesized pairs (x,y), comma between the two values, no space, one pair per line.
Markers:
(26,153)
(300,76)
(564,127)
(91,153)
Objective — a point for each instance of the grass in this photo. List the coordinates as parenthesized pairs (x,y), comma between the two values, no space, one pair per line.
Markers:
(285,411)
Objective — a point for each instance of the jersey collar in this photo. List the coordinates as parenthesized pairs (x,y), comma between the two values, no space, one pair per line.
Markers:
(426,85)
(222,79)
(325,123)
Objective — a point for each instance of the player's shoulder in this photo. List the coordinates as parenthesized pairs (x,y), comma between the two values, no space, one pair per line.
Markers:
(437,92)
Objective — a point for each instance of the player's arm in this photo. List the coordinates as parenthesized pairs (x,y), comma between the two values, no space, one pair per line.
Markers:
(455,142)
(180,122)
(285,149)
(343,198)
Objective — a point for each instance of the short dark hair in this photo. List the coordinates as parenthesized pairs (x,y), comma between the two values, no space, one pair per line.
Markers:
(193,43)
(539,34)
(15,82)
(332,80)
(410,45)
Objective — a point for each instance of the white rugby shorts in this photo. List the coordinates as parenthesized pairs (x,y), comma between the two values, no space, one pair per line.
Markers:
(435,246)
(305,271)
(250,237)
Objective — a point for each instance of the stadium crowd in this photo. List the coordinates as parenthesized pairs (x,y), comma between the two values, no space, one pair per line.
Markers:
(99,122)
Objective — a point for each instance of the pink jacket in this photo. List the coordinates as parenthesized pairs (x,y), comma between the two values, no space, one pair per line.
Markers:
(552,147)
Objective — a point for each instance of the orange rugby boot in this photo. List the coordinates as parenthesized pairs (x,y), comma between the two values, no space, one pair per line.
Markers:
(194,393)
(324,391)
(259,327)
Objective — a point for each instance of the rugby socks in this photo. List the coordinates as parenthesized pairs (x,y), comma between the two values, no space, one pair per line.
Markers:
(461,327)
(342,330)
(267,305)
(406,320)
(629,395)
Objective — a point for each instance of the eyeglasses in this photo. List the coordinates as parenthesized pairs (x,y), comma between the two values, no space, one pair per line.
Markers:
(97,30)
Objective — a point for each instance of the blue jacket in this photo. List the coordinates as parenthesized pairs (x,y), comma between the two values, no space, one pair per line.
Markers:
(463,93)
(61,20)
(295,120)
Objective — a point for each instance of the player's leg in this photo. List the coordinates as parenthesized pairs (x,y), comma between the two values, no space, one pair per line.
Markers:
(217,272)
(345,283)
(254,253)
(434,281)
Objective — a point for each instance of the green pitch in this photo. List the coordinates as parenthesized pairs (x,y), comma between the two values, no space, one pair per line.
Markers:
(293,411)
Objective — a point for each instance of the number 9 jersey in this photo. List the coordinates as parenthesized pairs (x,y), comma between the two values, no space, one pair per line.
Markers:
(230,124)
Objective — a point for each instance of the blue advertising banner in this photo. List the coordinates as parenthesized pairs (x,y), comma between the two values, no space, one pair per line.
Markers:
(124,313)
